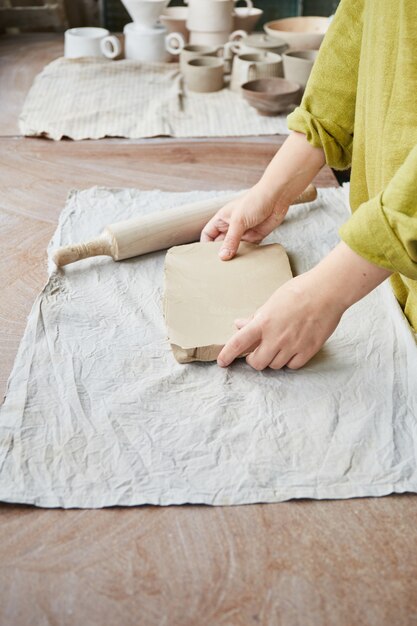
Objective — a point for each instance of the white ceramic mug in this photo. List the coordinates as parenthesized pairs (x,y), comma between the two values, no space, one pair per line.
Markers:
(151,45)
(89,41)
(252,66)
(210,16)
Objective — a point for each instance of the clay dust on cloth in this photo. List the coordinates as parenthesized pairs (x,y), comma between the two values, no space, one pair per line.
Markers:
(93,98)
(98,412)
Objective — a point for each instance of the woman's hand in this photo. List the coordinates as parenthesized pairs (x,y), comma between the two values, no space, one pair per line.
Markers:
(291,327)
(288,329)
(251,217)
(261,209)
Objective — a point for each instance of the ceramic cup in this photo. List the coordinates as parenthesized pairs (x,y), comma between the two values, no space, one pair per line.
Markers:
(204,74)
(191,51)
(246,18)
(90,42)
(298,65)
(145,12)
(211,16)
(215,39)
(248,67)
(260,42)
(151,45)
(174,19)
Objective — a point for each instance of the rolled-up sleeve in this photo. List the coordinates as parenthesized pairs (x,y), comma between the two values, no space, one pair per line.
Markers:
(326,114)
(384,229)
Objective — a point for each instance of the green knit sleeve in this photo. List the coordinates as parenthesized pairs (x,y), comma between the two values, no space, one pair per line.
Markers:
(384,229)
(327,111)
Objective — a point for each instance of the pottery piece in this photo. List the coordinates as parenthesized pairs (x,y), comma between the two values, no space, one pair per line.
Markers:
(260,42)
(271,96)
(152,44)
(248,67)
(90,42)
(204,74)
(298,65)
(215,39)
(210,16)
(174,19)
(299,32)
(145,12)
(246,18)
(191,51)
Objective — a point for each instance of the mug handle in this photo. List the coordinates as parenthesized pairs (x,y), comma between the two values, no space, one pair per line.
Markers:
(179,39)
(237,35)
(110,47)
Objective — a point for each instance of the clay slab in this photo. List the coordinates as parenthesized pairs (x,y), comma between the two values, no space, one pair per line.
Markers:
(204,295)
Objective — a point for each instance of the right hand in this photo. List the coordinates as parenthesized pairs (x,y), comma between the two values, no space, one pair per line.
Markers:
(251,217)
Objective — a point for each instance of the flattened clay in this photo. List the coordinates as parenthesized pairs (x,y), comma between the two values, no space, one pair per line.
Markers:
(204,295)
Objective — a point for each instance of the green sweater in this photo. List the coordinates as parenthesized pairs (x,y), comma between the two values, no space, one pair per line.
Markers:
(360,106)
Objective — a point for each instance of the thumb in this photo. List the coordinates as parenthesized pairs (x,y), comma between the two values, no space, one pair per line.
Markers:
(232,240)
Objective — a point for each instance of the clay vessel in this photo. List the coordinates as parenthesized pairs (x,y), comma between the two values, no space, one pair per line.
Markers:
(298,65)
(271,96)
(299,32)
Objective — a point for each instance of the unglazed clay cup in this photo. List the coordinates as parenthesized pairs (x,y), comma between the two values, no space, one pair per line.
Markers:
(300,33)
(246,18)
(298,65)
(271,96)
(190,52)
(248,67)
(204,74)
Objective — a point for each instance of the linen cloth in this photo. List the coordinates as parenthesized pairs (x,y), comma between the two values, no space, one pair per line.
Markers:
(99,413)
(92,98)
(360,106)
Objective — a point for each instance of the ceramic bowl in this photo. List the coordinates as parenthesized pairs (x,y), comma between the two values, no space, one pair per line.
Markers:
(271,96)
(298,65)
(245,18)
(299,32)
(175,18)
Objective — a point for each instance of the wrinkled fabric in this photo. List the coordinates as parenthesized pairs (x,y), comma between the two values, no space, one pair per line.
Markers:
(99,413)
(94,98)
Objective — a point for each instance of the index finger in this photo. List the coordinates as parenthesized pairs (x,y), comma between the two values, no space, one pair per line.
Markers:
(245,339)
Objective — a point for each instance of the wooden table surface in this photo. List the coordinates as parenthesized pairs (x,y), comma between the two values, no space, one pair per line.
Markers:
(298,563)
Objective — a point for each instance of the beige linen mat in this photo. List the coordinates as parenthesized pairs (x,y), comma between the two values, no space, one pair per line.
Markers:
(99,413)
(94,98)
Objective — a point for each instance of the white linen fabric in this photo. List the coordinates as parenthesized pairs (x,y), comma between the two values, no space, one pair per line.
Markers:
(91,98)
(99,413)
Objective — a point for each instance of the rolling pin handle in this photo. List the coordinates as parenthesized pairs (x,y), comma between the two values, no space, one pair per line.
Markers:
(308,195)
(76,252)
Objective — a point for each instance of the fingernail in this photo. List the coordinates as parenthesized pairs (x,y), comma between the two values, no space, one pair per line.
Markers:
(224,253)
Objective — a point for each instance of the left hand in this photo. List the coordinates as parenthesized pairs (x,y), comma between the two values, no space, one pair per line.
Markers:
(290,328)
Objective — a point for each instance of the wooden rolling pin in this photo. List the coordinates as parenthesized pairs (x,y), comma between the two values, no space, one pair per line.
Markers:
(155,231)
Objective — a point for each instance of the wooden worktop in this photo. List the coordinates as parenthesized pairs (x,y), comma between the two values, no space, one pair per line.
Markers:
(299,563)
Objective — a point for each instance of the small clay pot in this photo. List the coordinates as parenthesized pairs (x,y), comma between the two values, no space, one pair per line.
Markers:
(205,74)
(271,96)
